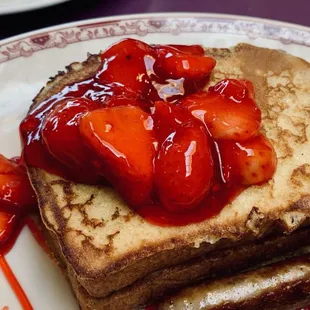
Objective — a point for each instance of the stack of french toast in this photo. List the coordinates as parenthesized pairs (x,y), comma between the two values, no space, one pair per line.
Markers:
(242,257)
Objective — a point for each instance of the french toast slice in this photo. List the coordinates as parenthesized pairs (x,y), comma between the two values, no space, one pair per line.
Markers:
(108,246)
(209,267)
(284,285)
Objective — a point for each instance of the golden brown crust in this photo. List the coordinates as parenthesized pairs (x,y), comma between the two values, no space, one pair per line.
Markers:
(93,220)
(284,285)
(213,265)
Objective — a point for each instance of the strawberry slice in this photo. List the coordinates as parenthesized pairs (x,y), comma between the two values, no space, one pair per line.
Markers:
(16,193)
(123,100)
(62,137)
(249,162)
(124,62)
(236,90)
(172,63)
(189,49)
(122,137)
(184,168)
(7,225)
(179,48)
(167,118)
(228,115)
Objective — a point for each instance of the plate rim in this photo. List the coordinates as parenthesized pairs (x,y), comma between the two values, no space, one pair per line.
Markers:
(165,15)
(153,16)
(17,8)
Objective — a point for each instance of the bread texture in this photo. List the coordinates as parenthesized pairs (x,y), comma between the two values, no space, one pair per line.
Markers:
(284,285)
(208,267)
(106,246)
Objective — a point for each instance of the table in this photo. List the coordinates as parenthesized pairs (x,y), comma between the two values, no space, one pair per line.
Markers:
(296,11)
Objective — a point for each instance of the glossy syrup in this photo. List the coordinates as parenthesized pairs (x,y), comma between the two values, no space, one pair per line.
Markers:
(34,150)
(219,196)
(36,154)
(150,86)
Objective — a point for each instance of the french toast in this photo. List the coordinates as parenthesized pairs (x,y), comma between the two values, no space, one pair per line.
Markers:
(107,246)
(283,285)
(208,267)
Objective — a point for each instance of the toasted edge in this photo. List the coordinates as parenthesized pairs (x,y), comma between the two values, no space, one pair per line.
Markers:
(80,71)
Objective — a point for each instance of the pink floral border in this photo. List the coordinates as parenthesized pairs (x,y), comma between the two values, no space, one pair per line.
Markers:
(61,37)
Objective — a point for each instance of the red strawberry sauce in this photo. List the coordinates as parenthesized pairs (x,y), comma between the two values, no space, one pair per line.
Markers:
(206,148)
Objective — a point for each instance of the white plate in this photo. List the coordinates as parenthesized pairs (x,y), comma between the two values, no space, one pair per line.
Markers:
(15,6)
(27,61)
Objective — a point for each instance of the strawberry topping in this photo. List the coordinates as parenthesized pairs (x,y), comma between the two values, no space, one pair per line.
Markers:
(62,138)
(17,197)
(167,118)
(174,63)
(15,190)
(184,167)
(249,162)
(125,64)
(122,137)
(175,152)
(189,49)
(228,110)
(7,225)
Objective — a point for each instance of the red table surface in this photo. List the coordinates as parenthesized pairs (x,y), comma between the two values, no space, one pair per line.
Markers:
(297,11)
